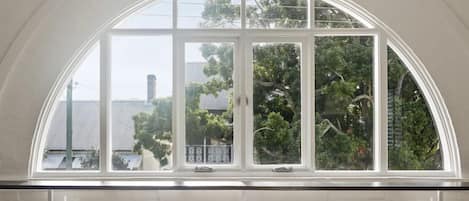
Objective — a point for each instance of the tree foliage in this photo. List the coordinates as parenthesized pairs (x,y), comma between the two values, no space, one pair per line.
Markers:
(344,96)
(416,143)
(277,104)
(153,131)
(344,102)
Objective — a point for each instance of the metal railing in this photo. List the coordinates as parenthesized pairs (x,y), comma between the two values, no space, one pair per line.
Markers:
(209,154)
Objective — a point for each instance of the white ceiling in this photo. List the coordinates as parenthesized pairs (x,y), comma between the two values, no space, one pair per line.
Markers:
(460,9)
(14,14)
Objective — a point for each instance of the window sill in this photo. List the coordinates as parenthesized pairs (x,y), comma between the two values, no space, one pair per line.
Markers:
(430,185)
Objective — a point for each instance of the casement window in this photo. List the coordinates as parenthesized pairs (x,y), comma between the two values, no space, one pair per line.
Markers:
(246,88)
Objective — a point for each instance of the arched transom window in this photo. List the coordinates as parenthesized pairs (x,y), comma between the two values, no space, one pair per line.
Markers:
(243,88)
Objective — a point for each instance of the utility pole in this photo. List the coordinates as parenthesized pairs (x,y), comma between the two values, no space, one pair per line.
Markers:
(69,125)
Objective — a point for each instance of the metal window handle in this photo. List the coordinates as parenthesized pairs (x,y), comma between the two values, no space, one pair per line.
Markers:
(203,169)
(282,169)
(239,99)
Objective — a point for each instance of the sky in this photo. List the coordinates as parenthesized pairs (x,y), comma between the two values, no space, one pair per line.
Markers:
(134,57)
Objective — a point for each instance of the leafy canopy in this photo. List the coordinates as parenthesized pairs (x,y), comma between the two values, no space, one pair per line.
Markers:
(344,96)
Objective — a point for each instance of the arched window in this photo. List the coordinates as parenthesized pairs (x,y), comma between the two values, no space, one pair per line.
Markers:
(247,88)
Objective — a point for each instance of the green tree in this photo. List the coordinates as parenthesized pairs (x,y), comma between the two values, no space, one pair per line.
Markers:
(153,131)
(344,96)
(200,123)
(277,103)
(91,160)
(328,16)
(118,163)
(344,102)
(416,145)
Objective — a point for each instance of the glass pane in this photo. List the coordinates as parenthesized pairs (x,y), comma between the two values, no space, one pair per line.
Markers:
(141,102)
(209,13)
(344,103)
(156,15)
(209,103)
(277,13)
(328,16)
(413,141)
(76,118)
(277,103)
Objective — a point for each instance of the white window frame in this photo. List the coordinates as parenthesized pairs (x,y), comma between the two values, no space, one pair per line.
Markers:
(305,156)
(106,104)
(309,13)
(242,166)
(379,117)
(237,125)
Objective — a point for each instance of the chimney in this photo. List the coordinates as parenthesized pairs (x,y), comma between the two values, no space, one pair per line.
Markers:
(151,88)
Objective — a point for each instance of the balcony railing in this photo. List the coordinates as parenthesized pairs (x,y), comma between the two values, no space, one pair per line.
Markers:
(209,154)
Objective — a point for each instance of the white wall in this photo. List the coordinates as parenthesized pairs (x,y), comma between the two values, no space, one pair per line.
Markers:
(441,41)
(95,195)
(58,29)
(14,15)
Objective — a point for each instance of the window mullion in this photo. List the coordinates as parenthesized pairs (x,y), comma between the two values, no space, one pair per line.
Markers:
(179,126)
(311,14)
(243,14)
(306,89)
(241,65)
(377,93)
(249,114)
(382,100)
(175,14)
(311,100)
(105,105)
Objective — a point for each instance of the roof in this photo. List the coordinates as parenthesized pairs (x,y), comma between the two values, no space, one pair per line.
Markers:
(86,124)
(86,117)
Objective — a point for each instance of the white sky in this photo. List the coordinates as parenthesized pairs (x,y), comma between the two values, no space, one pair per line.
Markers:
(134,57)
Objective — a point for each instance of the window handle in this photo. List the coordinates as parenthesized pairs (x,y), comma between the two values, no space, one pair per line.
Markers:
(282,169)
(203,169)
(238,101)
(240,98)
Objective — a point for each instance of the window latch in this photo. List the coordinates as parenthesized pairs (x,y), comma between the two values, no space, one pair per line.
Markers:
(282,169)
(240,99)
(203,169)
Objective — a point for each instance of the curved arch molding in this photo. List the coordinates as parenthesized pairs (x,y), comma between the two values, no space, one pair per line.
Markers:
(61,30)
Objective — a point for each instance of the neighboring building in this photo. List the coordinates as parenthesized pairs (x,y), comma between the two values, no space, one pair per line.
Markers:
(86,118)
(195,73)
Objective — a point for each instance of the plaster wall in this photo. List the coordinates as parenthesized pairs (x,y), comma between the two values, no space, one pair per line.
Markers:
(39,39)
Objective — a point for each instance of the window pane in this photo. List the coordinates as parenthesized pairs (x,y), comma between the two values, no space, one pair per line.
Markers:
(344,103)
(141,102)
(277,104)
(209,13)
(76,117)
(413,140)
(328,16)
(155,15)
(209,103)
(277,13)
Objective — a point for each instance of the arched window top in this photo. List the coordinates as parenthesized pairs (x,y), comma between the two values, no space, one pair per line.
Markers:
(179,87)
(222,14)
